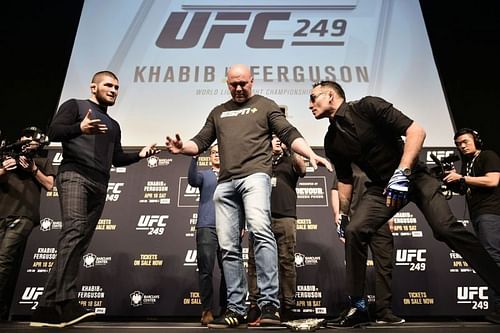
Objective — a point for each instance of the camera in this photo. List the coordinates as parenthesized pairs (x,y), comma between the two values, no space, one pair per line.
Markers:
(30,148)
(443,166)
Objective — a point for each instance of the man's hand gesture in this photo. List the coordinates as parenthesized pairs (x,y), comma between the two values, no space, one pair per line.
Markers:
(316,160)
(92,126)
(174,146)
(149,150)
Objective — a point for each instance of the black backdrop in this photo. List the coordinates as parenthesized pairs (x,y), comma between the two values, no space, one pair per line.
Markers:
(142,259)
(36,38)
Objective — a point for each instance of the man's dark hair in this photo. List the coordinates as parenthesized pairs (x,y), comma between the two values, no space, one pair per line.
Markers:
(332,85)
(475,136)
(97,75)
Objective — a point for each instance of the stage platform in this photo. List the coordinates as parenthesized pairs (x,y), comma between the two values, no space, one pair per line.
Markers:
(187,327)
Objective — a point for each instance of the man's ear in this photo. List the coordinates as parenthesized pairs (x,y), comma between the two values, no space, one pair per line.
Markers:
(93,88)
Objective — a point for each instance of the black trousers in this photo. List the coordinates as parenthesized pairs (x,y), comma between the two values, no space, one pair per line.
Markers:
(82,202)
(382,247)
(14,232)
(425,192)
(208,251)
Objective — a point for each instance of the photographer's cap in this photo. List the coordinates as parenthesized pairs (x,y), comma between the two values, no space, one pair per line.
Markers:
(30,130)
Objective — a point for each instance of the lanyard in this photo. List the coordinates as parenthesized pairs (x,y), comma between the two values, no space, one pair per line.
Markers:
(468,169)
(277,159)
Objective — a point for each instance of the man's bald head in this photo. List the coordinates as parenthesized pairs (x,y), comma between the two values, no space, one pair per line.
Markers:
(240,82)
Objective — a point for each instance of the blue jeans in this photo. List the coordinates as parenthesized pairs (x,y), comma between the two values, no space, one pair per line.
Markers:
(487,228)
(236,201)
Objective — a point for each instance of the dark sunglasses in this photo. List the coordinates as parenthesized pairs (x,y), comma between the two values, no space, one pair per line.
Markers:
(313,97)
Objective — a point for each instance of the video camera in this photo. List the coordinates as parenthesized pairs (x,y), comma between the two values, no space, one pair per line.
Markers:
(29,148)
(443,166)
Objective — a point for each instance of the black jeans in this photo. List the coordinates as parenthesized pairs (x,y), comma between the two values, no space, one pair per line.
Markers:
(207,249)
(487,228)
(14,232)
(425,192)
(82,201)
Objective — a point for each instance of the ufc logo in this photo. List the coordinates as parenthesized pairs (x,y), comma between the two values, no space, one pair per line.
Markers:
(470,293)
(151,220)
(217,32)
(32,293)
(410,255)
(115,188)
(440,154)
(58,157)
(192,190)
(190,259)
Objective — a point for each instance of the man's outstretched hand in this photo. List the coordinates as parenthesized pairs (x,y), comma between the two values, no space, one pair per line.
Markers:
(174,146)
(149,150)
(316,160)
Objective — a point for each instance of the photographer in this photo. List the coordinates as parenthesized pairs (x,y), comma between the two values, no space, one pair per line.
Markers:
(479,177)
(22,176)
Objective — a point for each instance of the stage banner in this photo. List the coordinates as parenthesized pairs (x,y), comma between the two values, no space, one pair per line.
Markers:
(171,57)
(142,260)
(429,278)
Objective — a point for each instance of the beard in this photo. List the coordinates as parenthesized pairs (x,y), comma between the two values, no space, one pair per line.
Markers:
(105,100)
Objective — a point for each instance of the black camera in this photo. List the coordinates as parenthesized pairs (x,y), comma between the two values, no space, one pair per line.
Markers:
(443,166)
(29,148)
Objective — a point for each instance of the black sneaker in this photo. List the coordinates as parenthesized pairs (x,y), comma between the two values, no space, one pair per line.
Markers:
(72,312)
(390,319)
(354,318)
(270,316)
(230,319)
(338,319)
(46,316)
(253,316)
(287,314)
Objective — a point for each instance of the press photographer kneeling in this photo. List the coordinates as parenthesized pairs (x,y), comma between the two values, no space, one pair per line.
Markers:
(479,179)
(23,173)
